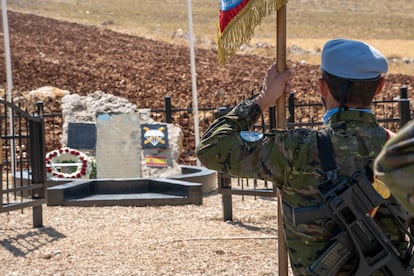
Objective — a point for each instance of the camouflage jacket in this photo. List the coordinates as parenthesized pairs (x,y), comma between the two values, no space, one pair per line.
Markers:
(395,166)
(289,158)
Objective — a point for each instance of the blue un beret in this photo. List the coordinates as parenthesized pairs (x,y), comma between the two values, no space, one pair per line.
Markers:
(351,59)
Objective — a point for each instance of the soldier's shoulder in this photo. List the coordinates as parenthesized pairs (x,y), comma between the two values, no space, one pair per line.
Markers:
(302,136)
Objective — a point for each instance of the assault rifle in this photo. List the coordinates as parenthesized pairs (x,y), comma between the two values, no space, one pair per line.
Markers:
(348,205)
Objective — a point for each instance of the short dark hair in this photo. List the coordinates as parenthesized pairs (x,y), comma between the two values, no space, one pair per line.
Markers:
(359,93)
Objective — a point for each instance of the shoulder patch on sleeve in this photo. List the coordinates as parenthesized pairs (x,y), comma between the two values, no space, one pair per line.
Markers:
(250,136)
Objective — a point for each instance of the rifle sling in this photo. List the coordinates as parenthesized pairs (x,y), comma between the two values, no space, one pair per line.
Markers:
(326,154)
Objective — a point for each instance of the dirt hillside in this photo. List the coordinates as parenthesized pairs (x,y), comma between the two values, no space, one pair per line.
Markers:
(84,59)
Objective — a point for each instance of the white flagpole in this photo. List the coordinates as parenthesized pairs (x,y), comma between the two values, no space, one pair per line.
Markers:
(6,38)
(193,77)
(7,50)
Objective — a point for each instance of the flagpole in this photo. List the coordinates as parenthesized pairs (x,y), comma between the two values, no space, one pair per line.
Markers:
(7,50)
(193,78)
(9,78)
(281,122)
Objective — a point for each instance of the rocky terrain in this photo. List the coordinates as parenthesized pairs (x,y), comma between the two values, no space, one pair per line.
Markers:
(84,59)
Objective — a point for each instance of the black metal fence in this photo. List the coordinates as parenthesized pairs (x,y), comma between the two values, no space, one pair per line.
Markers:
(392,113)
(23,178)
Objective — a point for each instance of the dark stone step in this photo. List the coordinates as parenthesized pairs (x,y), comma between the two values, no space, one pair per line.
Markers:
(137,199)
(125,192)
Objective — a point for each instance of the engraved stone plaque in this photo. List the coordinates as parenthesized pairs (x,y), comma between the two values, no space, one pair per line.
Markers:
(118,145)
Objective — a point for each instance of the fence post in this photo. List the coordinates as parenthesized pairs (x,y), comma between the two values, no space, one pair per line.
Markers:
(291,107)
(404,106)
(224,181)
(38,163)
(39,106)
(168,110)
(272,117)
(224,187)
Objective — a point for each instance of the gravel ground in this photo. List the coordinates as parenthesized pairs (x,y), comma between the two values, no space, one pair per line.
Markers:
(167,240)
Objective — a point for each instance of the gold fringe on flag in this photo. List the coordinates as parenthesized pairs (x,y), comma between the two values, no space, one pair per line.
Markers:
(241,28)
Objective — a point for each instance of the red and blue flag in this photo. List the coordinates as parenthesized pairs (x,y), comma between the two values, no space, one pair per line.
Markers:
(238,18)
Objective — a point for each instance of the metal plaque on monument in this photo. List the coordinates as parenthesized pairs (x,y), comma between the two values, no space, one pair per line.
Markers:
(118,145)
(82,136)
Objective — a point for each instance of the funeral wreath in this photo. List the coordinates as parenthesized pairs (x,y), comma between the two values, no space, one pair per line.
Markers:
(66,163)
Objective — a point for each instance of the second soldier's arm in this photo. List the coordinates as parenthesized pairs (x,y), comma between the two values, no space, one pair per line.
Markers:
(395,166)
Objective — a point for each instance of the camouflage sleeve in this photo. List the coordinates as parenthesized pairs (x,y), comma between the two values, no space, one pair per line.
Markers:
(228,146)
(395,166)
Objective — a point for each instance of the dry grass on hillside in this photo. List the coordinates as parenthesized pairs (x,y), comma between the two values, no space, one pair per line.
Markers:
(309,23)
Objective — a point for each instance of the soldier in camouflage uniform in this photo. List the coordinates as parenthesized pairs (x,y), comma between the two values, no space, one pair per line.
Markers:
(395,166)
(352,74)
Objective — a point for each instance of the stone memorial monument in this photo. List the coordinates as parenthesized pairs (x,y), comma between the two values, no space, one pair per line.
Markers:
(157,158)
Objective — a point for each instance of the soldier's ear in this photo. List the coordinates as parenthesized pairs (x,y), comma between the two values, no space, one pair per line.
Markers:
(323,87)
(381,84)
